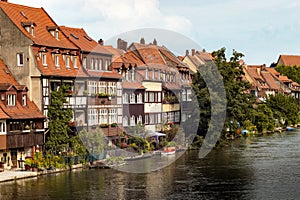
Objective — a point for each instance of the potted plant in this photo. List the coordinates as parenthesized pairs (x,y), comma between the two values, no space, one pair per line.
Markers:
(114,125)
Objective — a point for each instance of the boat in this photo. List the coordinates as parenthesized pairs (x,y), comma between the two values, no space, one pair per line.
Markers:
(168,151)
(139,157)
(290,128)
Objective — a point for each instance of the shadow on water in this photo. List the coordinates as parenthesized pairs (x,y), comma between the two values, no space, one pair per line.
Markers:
(250,168)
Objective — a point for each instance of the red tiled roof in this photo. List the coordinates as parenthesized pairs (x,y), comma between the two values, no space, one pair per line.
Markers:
(148,53)
(62,70)
(80,38)
(126,60)
(30,111)
(132,85)
(3,115)
(273,71)
(111,74)
(290,60)
(270,80)
(23,14)
(285,79)
(114,51)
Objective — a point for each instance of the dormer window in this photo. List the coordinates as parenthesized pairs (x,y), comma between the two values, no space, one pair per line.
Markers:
(29,27)
(44,59)
(11,99)
(56,60)
(24,99)
(84,62)
(20,59)
(146,74)
(67,60)
(53,30)
(75,62)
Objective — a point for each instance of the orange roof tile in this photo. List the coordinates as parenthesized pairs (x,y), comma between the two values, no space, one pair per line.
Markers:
(62,70)
(114,51)
(290,60)
(109,74)
(30,111)
(273,71)
(84,42)
(270,80)
(20,14)
(132,85)
(285,79)
(3,115)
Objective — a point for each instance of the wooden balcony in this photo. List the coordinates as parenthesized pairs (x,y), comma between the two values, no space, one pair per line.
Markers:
(25,138)
(102,100)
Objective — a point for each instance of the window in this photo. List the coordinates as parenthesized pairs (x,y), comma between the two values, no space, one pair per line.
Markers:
(140,98)
(158,97)
(112,88)
(153,74)
(92,87)
(146,96)
(126,76)
(56,60)
(112,116)
(151,118)
(125,121)
(184,95)
(24,100)
(171,117)
(93,117)
(20,59)
(11,100)
(158,75)
(151,96)
(158,118)
(189,95)
(140,119)
(132,74)
(132,98)
(2,127)
(146,74)
(92,63)
(125,98)
(67,61)
(106,65)
(146,119)
(96,64)
(56,34)
(102,87)
(30,29)
(75,62)
(84,62)
(44,59)
(177,116)
(132,120)
(100,64)
(103,116)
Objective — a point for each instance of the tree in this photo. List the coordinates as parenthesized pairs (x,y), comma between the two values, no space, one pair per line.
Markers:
(292,72)
(285,108)
(59,118)
(264,119)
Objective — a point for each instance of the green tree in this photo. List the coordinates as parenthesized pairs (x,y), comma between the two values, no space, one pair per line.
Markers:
(285,108)
(264,119)
(292,72)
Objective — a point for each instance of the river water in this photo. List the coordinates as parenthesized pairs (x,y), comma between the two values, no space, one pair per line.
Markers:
(266,167)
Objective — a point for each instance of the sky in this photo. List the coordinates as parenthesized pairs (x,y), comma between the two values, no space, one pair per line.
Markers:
(260,29)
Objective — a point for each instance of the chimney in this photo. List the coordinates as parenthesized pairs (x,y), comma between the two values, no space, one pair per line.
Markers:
(142,41)
(203,50)
(101,42)
(258,70)
(187,52)
(4,0)
(154,42)
(193,52)
(122,44)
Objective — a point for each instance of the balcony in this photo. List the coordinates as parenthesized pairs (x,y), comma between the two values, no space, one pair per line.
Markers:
(25,138)
(102,100)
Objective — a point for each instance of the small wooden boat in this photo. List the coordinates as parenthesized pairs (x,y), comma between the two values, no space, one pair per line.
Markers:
(168,151)
(290,128)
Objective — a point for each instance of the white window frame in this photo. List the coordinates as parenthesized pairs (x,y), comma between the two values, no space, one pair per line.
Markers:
(84,62)
(140,119)
(112,88)
(102,87)
(11,99)
(103,116)
(139,98)
(67,60)
(92,87)
(56,60)
(75,62)
(2,127)
(24,100)
(44,59)
(20,59)
(132,120)
(125,98)
(125,121)
(151,97)
(189,95)
(93,116)
(132,98)
(112,116)
(92,64)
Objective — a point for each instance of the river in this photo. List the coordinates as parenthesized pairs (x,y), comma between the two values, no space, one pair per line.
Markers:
(264,167)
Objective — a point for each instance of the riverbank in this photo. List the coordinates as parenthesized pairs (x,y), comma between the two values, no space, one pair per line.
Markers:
(16,174)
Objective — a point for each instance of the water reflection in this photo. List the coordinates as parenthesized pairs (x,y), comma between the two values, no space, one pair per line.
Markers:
(250,168)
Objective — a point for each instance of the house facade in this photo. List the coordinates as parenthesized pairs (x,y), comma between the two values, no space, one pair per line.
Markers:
(21,122)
